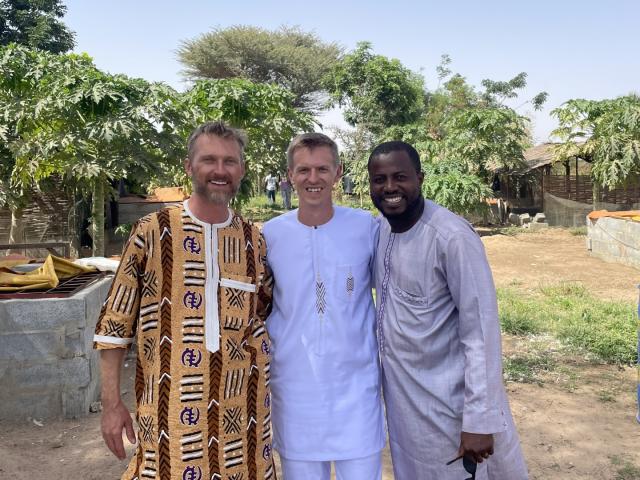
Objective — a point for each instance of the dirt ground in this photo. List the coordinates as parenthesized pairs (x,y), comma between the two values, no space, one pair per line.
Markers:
(578,423)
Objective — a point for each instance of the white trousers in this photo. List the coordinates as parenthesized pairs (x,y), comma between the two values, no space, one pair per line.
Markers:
(367,468)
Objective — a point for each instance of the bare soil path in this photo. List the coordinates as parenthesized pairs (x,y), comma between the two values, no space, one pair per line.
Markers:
(578,423)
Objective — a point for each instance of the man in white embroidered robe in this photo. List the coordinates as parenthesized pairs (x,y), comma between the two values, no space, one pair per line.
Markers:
(325,377)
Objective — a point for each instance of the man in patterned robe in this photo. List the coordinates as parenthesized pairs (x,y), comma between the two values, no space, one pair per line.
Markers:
(192,286)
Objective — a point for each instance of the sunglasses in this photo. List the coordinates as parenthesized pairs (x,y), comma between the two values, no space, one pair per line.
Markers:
(469,465)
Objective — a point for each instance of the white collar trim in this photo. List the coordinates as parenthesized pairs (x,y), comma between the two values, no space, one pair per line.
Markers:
(226,223)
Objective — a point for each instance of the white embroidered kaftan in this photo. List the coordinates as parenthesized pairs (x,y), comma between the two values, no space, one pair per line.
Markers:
(325,377)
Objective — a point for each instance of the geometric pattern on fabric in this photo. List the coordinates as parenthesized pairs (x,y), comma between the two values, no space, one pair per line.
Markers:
(201,414)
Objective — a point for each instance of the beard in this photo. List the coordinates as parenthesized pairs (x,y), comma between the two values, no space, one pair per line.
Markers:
(216,197)
(408,212)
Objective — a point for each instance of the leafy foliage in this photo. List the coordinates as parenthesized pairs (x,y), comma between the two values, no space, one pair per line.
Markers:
(36,24)
(463,136)
(375,91)
(63,116)
(450,184)
(288,57)
(604,132)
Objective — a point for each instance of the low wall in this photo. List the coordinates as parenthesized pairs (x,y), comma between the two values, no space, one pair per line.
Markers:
(561,212)
(47,366)
(614,240)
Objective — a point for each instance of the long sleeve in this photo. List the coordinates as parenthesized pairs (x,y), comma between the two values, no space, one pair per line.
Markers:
(473,292)
(117,323)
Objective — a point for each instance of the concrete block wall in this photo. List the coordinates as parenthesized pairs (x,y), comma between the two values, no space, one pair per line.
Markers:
(48,368)
(614,240)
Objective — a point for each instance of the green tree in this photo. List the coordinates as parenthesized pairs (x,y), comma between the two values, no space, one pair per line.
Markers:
(62,116)
(375,91)
(65,117)
(266,112)
(605,133)
(288,57)
(36,24)
(464,136)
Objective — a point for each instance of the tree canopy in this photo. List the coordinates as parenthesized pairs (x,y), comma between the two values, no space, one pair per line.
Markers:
(375,91)
(36,24)
(287,57)
(63,116)
(464,135)
(603,132)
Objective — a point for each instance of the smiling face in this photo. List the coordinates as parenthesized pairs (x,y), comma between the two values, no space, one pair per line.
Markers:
(216,168)
(394,183)
(314,173)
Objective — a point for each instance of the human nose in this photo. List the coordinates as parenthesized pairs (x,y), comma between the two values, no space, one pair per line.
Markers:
(218,167)
(389,185)
(313,175)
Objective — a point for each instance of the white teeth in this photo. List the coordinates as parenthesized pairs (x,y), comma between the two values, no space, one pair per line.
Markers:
(313,189)
(393,199)
(215,182)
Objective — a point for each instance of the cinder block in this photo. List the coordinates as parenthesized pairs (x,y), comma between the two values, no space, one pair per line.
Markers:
(29,314)
(538,225)
(75,403)
(32,345)
(94,296)
(74,344)
(70,373)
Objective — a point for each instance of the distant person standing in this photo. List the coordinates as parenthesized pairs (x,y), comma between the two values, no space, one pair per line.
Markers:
(271,182)
(285,191)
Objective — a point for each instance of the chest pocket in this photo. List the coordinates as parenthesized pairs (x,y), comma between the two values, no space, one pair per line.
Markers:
(412,299)
(350,280)
(237,296)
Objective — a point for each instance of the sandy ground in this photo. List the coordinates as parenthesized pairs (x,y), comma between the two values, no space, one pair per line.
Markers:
(578,423)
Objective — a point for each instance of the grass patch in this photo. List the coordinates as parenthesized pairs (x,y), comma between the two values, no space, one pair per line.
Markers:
(625,470)
(510,231)
(606,396)
(527,368)
(258,209)
(605,328)
(518,317)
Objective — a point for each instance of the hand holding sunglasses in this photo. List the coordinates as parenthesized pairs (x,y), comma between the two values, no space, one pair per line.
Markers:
(469,465)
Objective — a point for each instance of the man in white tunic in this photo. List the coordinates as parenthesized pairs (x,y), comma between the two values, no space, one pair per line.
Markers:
(325,376)
(439,334)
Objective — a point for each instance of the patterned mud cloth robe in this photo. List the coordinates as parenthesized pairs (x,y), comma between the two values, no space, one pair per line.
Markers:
(440,349)
(325,371)
(196,296)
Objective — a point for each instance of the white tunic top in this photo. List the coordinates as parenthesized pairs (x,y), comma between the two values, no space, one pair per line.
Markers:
(325,376)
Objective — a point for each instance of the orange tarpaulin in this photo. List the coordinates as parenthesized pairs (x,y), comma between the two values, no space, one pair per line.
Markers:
(629,214)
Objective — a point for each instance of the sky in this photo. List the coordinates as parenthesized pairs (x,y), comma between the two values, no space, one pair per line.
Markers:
(568,48)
